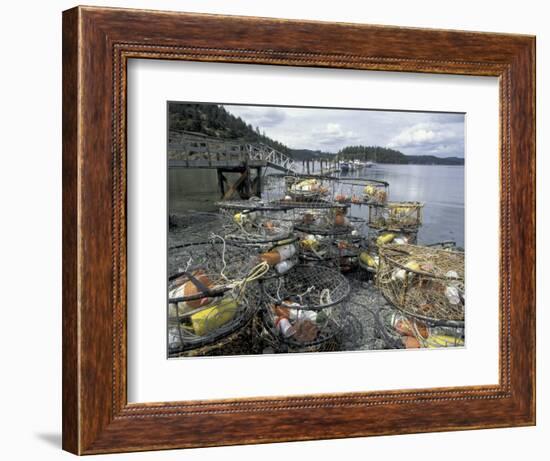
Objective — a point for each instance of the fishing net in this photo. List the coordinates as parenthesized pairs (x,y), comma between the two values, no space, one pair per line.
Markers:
(212,292)
(361,191)
(396,216)
(422,282)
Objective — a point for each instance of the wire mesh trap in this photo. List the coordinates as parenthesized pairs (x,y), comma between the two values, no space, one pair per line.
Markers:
(361,191)
(301,191)
(223,261)
(212,293)
(410,333)
(256,227)
(423,282)
(195,322)
(307,287)
(238,341)
(329,221)
(307,188)
(288,329)
(396,216)
(340,252)
(449,245)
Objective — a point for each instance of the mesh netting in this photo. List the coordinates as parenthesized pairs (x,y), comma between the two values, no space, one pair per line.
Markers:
(396,216)
(329,221)
(403,331)
(302,191)
(307,287)
(211,326)
(212,292)
(300,330)
(223,261)
(361,191)
(256,227)
(340,252)
(423,282)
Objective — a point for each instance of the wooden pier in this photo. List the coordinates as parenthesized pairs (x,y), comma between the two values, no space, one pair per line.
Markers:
(192,150)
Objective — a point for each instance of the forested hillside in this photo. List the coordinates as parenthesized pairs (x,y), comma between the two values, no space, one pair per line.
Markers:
(214,120)
(384,155)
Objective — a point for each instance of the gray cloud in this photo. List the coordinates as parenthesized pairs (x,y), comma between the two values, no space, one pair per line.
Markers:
(443,139)
(413,133)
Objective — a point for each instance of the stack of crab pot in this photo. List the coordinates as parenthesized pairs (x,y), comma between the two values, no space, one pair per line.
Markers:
(265,227)
(327,234)
(390,223)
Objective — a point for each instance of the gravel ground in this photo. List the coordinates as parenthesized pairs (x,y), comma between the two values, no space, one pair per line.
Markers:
(370,310)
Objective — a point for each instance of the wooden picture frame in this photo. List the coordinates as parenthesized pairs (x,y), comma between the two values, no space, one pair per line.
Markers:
(97,44)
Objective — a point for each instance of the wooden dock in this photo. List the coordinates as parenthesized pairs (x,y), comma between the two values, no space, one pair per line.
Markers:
(193,150)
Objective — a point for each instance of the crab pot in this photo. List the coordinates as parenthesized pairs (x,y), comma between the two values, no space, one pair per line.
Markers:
(424,283)
(402,331)
(301,311)
(256,227)
(396,216)
(340,252)
(241,341)
(329,221)
(308,188)
(360,191)
(292,330)
(223,261)
(201,319)
(207,299)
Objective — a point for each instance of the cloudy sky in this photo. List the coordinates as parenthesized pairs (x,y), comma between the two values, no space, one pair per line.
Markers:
(413,133)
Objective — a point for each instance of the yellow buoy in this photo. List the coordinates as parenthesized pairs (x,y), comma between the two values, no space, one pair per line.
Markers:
(367,259)
(214,317)
(385,238)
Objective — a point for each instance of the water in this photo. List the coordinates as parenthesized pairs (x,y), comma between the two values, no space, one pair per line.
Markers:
(440,188)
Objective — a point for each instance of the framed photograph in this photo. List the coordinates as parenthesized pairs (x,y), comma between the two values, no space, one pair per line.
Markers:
(271,229)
